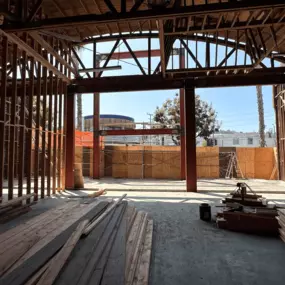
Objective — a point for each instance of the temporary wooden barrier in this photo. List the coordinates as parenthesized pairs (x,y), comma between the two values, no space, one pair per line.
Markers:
(163,162)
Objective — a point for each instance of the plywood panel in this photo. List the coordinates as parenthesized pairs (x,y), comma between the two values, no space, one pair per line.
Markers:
(264,162)
(207,162)
(148,162)
(246,161)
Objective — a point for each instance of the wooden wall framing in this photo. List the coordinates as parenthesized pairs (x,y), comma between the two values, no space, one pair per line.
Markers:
(33,96)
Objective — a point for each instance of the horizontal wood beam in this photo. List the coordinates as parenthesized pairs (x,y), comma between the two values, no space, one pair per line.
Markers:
(96,69)
(157,82)
(145,15)
(123,83)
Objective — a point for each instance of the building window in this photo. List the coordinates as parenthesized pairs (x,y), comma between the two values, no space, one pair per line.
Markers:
(249,141)
(236,141)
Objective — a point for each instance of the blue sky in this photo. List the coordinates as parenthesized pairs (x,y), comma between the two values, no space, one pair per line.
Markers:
(236,107)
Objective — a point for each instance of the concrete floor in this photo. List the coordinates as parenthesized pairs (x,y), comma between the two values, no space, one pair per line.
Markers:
(189,251)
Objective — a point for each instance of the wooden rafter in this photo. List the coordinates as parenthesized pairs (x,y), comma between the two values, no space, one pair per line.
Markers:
(162,46)
(191,54)
(31,52)
(134,57)
(50,49)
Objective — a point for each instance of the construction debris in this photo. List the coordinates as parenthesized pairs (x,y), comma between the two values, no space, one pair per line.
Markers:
(103,242)
(247,212)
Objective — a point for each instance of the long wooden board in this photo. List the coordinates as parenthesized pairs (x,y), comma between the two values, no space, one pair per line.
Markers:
(60,259)
(22,274)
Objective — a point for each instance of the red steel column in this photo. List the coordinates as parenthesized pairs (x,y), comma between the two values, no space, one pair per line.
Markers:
(96,125)
(182,118)
(70,142)
(190,142)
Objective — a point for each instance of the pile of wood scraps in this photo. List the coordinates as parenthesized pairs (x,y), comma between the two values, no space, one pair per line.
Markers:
(281,221)
(103,242)
(247,212)
(15,207)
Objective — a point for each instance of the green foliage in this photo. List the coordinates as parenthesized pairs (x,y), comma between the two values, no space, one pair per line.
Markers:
(168,115)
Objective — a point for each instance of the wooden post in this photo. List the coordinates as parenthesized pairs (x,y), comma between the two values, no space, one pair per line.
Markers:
(190,142)
(70,142)
(13,128)
(3,90)
(96,125)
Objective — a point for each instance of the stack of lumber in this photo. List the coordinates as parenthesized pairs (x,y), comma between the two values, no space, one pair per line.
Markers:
(103,242)
(14,208)
(281,221)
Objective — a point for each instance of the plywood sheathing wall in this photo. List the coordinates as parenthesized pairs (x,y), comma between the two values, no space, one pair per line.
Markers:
(208,163)
(84,156)
(163,162)
(246,160)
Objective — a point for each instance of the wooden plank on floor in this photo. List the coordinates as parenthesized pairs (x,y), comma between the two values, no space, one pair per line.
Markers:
(81,254)
(60,259)
(142,271)
(95,258)
(7,260)
(44,222)
(136,252)
(26,270)
(114,272)
(48,234)
(132,238)
(34,221)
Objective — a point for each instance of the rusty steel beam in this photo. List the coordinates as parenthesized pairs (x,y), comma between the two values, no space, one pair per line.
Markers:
(70,142)
(145,15)
(96,119)
(182,119)
(190,135)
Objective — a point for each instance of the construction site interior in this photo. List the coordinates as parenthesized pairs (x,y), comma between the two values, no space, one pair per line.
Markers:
(109,200)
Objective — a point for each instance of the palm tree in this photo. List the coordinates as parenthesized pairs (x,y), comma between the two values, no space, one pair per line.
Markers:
(262,142)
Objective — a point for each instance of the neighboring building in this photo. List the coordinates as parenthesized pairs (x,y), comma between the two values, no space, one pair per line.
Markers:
(114,122)
(238,139)
(110,122)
